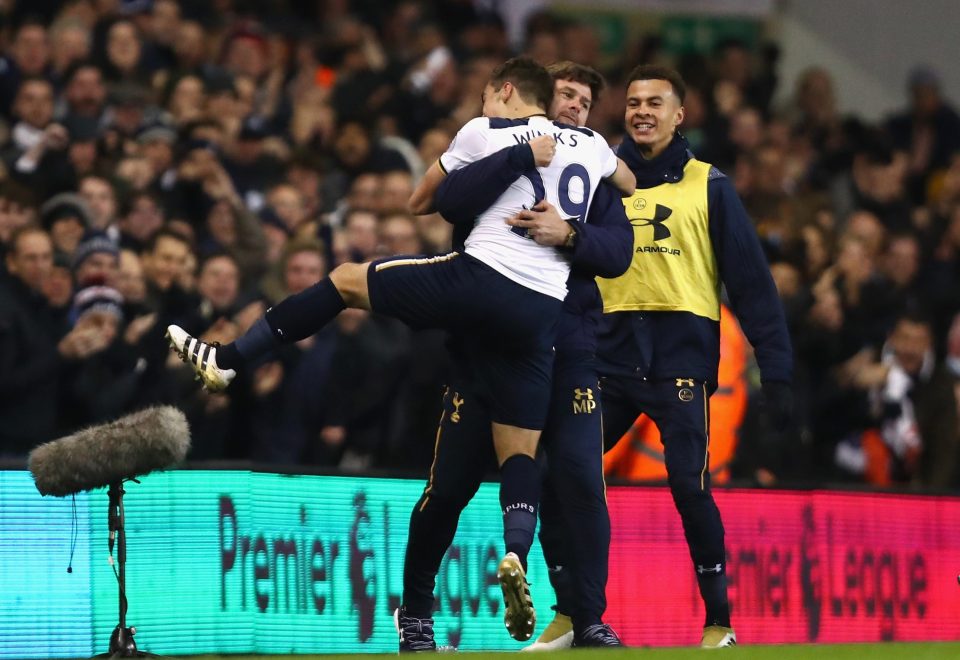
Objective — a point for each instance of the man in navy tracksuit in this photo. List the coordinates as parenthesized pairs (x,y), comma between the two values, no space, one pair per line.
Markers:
(659,344)
(597,245)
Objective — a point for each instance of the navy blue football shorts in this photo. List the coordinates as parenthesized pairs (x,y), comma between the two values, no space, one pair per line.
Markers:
(503,331)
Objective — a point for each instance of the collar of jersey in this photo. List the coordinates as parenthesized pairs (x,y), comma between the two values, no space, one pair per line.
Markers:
(664,168)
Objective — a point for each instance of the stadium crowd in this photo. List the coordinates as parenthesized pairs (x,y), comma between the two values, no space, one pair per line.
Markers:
(193,162)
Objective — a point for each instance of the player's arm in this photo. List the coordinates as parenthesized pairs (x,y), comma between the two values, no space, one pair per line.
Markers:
(421,201)
(613,169)
(467,147)
(603,245)
(623,179)
(744,270)
(466,193)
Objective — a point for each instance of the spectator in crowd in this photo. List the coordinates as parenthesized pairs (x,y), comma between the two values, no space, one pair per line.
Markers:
(70,42)
(28,56)
(366,370)
(397,186)
(141,216)
(875,181)
(184,98)
(84,93)
(101,198)
(33,109)
(96,259)
(131,283)
(16,210)
(361,240)
(105,384)
(58,286)
(928,132)
(67,217)
(164,258)
(123,56)
(34,345)
(399,235)
(355,152)
(913,436)
(288,397)
(900,265)
(288,203)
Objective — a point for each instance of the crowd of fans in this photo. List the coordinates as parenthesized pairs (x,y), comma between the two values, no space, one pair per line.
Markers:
(192,162)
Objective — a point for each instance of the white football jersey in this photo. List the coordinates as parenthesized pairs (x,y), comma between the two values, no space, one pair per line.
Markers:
(582,158)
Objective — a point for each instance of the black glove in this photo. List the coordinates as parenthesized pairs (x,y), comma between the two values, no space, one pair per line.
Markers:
(778,403)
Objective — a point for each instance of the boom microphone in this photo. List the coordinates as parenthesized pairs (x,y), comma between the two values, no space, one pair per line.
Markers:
(152,439)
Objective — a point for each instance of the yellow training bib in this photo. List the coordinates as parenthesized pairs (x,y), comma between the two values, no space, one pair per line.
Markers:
(674,268)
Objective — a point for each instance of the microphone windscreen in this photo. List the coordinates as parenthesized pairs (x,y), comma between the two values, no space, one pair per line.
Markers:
(151,439)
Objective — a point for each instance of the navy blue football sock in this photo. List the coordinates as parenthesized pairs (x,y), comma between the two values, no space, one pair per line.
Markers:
(303,314)
(228,357)
(519,494)
(292,319)
(713,590)
(254,343)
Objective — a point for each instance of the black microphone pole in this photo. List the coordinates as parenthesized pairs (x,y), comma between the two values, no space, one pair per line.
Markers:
(113,513)
(122,644)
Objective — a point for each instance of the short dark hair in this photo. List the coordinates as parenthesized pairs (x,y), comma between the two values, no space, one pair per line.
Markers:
(532,81)
(580,73)
(127,202)
(915,314)
(659,72)
(19,194)
(219,253)
(165,231)
(76,67)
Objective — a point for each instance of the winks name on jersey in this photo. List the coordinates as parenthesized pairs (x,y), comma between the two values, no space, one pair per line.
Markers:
(561,138)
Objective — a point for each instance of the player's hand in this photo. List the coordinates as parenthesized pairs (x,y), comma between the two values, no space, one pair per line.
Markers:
(544,147)
(137,327)
(222,330)
(543,224)
(55,137)
(246,317)
(778,404)
(333,436)
(267,378)
(219,186)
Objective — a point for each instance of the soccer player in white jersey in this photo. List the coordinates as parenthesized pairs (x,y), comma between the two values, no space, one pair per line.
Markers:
(581,159)
(500,298)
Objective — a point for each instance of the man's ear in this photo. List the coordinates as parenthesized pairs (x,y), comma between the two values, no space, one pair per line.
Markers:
(680,116)
(507,91)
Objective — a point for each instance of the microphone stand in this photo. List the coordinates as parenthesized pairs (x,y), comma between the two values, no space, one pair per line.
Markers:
(122,644)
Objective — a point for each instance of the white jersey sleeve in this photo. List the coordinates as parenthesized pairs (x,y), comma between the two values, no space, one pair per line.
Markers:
(468,146)
(608,159)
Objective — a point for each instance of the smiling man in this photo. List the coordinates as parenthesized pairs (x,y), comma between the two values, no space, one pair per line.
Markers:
(660,341)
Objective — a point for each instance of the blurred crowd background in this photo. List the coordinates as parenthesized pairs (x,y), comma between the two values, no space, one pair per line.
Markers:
(194,161)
